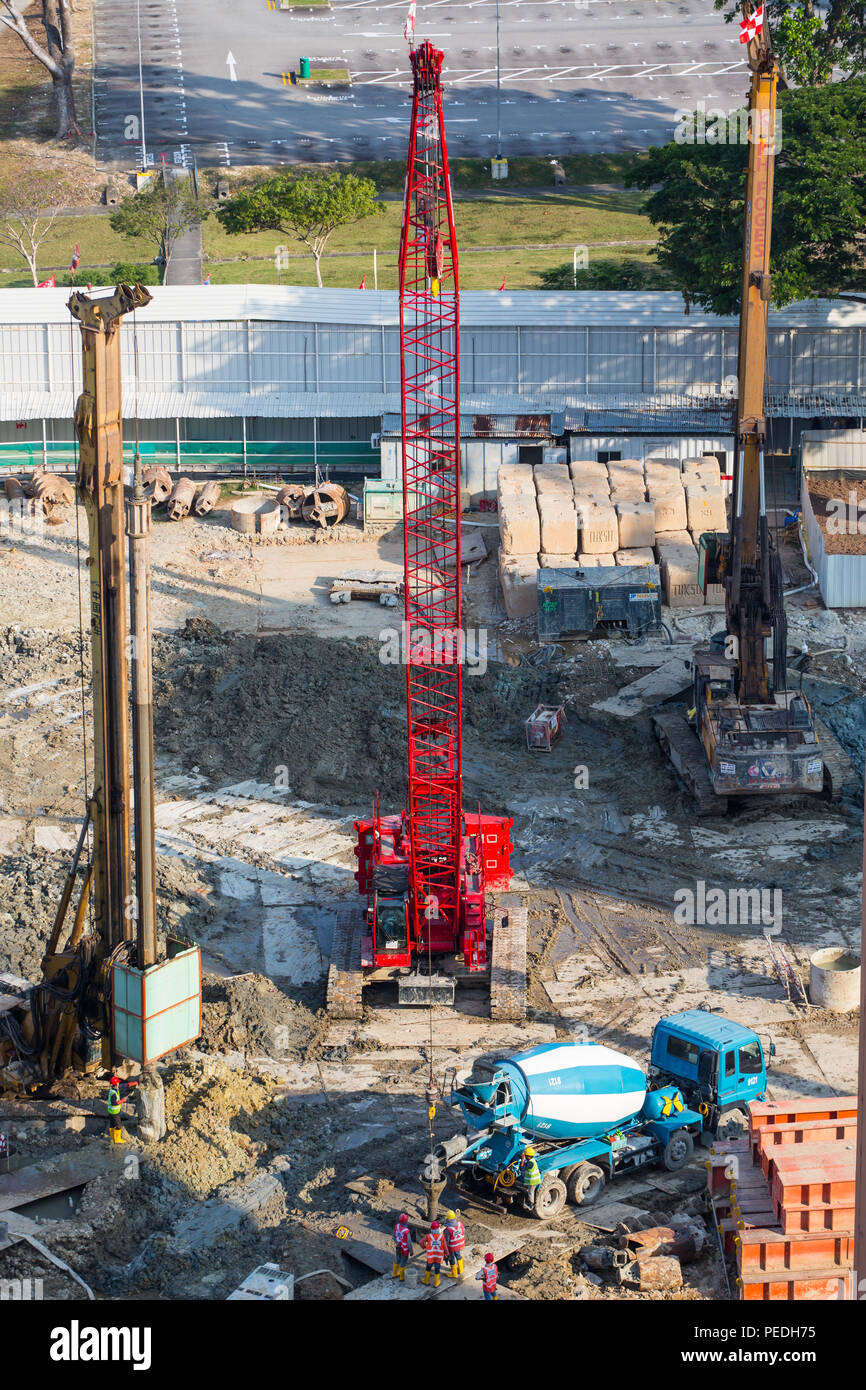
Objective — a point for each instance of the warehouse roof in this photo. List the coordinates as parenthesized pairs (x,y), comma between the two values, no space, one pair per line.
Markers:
(479,309)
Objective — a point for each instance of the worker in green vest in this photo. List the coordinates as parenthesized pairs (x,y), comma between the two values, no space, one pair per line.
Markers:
(113,1107)
(530,1174)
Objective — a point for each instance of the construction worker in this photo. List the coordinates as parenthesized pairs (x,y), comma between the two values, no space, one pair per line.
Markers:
(455,1240)
(489,1276)
(434,1244)
(403,1248)
(113,1107)
(529,1174)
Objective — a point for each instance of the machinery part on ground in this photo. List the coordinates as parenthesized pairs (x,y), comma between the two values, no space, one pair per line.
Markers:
(508,967)
(658,1272)
(157,483)
(52,490)
(13,488)
(326,504)
(678,741)
(344,994)
(291,496)
(181,499)
(544,727)
(268,1284)
(255,514)
(207,498)
(550,1198)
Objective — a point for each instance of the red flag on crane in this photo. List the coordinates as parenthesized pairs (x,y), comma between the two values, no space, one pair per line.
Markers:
(76,257)
(752,25)
(409,29)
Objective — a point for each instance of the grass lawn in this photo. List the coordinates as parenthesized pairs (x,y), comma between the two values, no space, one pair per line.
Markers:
(98,244)
(479,270)
(566,219)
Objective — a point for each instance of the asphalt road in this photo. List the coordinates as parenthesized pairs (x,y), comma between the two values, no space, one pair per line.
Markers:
(576,75)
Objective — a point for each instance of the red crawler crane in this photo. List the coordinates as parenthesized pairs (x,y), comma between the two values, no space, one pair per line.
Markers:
(425,872)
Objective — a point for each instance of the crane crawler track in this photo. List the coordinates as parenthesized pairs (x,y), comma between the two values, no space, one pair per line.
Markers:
(508,964)
(344,998)
(684,750)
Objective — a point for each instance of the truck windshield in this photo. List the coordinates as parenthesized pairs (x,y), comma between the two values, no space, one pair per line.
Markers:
(751,1060)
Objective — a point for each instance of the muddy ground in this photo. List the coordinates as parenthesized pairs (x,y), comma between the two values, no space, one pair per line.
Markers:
(268,745)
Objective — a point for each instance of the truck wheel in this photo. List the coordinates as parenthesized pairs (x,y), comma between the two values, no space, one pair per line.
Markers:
(585,1184)
(550,1198)
(679,1150)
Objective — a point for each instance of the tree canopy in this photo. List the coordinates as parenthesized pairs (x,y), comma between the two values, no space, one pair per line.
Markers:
(818,248)
(809,44)
(161,215)
(31,199)
(308,207)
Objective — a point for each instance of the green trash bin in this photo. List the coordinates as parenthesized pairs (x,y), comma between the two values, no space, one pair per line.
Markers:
(305,67)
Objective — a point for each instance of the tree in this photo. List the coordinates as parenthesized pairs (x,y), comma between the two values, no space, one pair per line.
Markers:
(819,214)
(160,215)
(56,54)
(810,46)
(309,208)
(606,275)
(31,199)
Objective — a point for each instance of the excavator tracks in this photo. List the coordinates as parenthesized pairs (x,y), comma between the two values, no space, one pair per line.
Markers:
(683,747)
(508,963)
(839,777)
(344,997)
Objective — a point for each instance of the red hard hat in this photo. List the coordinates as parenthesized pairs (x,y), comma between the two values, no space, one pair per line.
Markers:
(434,1225)
(115,1080)
(489,1258)
(404,1220)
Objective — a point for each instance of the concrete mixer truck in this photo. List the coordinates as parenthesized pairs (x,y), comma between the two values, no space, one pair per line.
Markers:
(591,1113)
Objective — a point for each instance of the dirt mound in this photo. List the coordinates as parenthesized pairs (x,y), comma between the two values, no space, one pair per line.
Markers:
(328,711)
(32,885)
(542,1269)
(247,1013)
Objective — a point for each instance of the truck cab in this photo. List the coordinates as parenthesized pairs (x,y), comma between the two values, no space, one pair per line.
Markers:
(719,1065)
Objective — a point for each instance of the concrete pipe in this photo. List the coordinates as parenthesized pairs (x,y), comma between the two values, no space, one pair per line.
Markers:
(255,514)
(834,979)
(157,483)
(207,498)
(181,499)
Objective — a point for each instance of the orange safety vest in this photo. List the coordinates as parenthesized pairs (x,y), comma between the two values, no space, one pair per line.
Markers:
(455,1235)
(402,1239)
(489,1277)
(434,1244)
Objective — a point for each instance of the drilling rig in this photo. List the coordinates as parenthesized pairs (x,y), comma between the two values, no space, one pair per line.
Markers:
(426,873)
(757,736)
(107,991)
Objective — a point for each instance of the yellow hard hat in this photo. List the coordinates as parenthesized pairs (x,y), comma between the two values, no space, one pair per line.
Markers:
(451,1216)
(530,1152)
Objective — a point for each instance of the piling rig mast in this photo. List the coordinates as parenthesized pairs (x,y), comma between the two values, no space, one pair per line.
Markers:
(103,984)
(426,873)
(759,737)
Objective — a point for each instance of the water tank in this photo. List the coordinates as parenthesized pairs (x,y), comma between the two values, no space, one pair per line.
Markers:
(574,1090)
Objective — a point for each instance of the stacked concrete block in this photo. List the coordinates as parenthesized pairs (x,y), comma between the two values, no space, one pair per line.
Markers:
(640,556)
(598,529)
(586,470)
(636,524)
(594,562)
(669,504)
(626,481)
(518,576)
(514,479)
(518,525)
(551,477)
(678,565)
(557,524)
(556,562)
(704,470)
(705,507)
